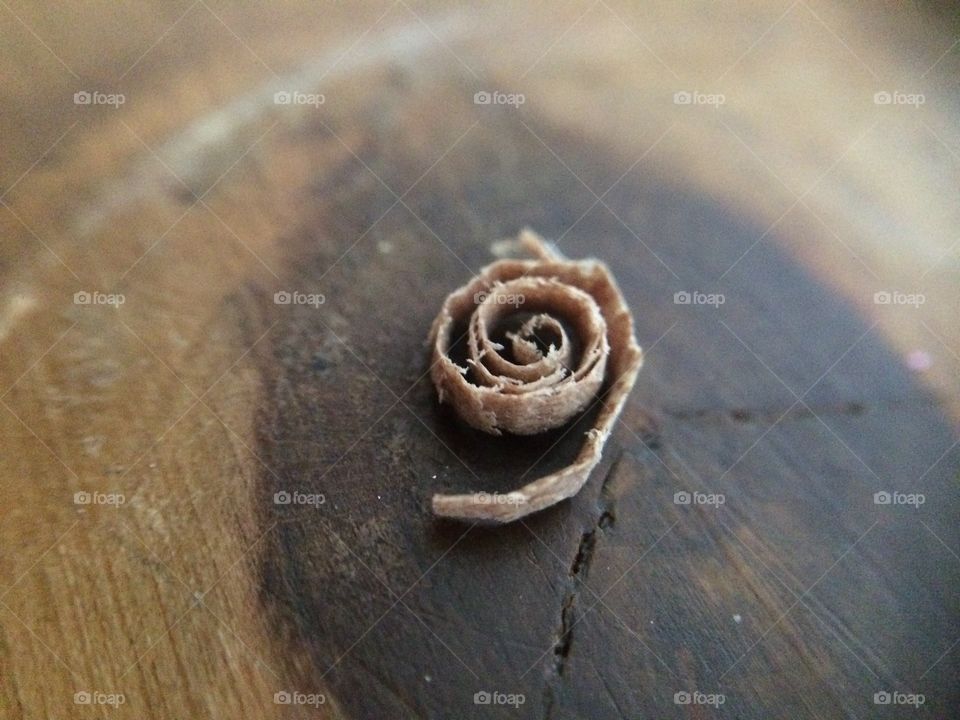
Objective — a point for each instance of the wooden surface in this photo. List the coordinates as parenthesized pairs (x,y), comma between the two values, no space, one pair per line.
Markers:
(200,398)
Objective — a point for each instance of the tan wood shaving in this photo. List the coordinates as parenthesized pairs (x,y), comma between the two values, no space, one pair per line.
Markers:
(532,392)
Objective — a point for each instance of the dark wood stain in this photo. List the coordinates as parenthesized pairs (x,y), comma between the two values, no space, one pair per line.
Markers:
(404,616)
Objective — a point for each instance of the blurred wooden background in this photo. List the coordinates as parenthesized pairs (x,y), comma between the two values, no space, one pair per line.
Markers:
(199,197)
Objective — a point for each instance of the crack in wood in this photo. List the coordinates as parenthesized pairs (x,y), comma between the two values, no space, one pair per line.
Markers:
(579,570)
(805,411)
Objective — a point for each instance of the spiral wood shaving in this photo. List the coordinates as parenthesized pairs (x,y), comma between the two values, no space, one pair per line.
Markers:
(536,386)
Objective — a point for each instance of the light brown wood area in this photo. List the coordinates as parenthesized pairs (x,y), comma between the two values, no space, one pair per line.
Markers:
(801,159)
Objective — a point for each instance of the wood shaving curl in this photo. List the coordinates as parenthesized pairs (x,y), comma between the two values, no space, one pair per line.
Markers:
(537,386)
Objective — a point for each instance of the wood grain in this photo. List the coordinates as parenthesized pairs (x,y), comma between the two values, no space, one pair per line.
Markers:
(200,398)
